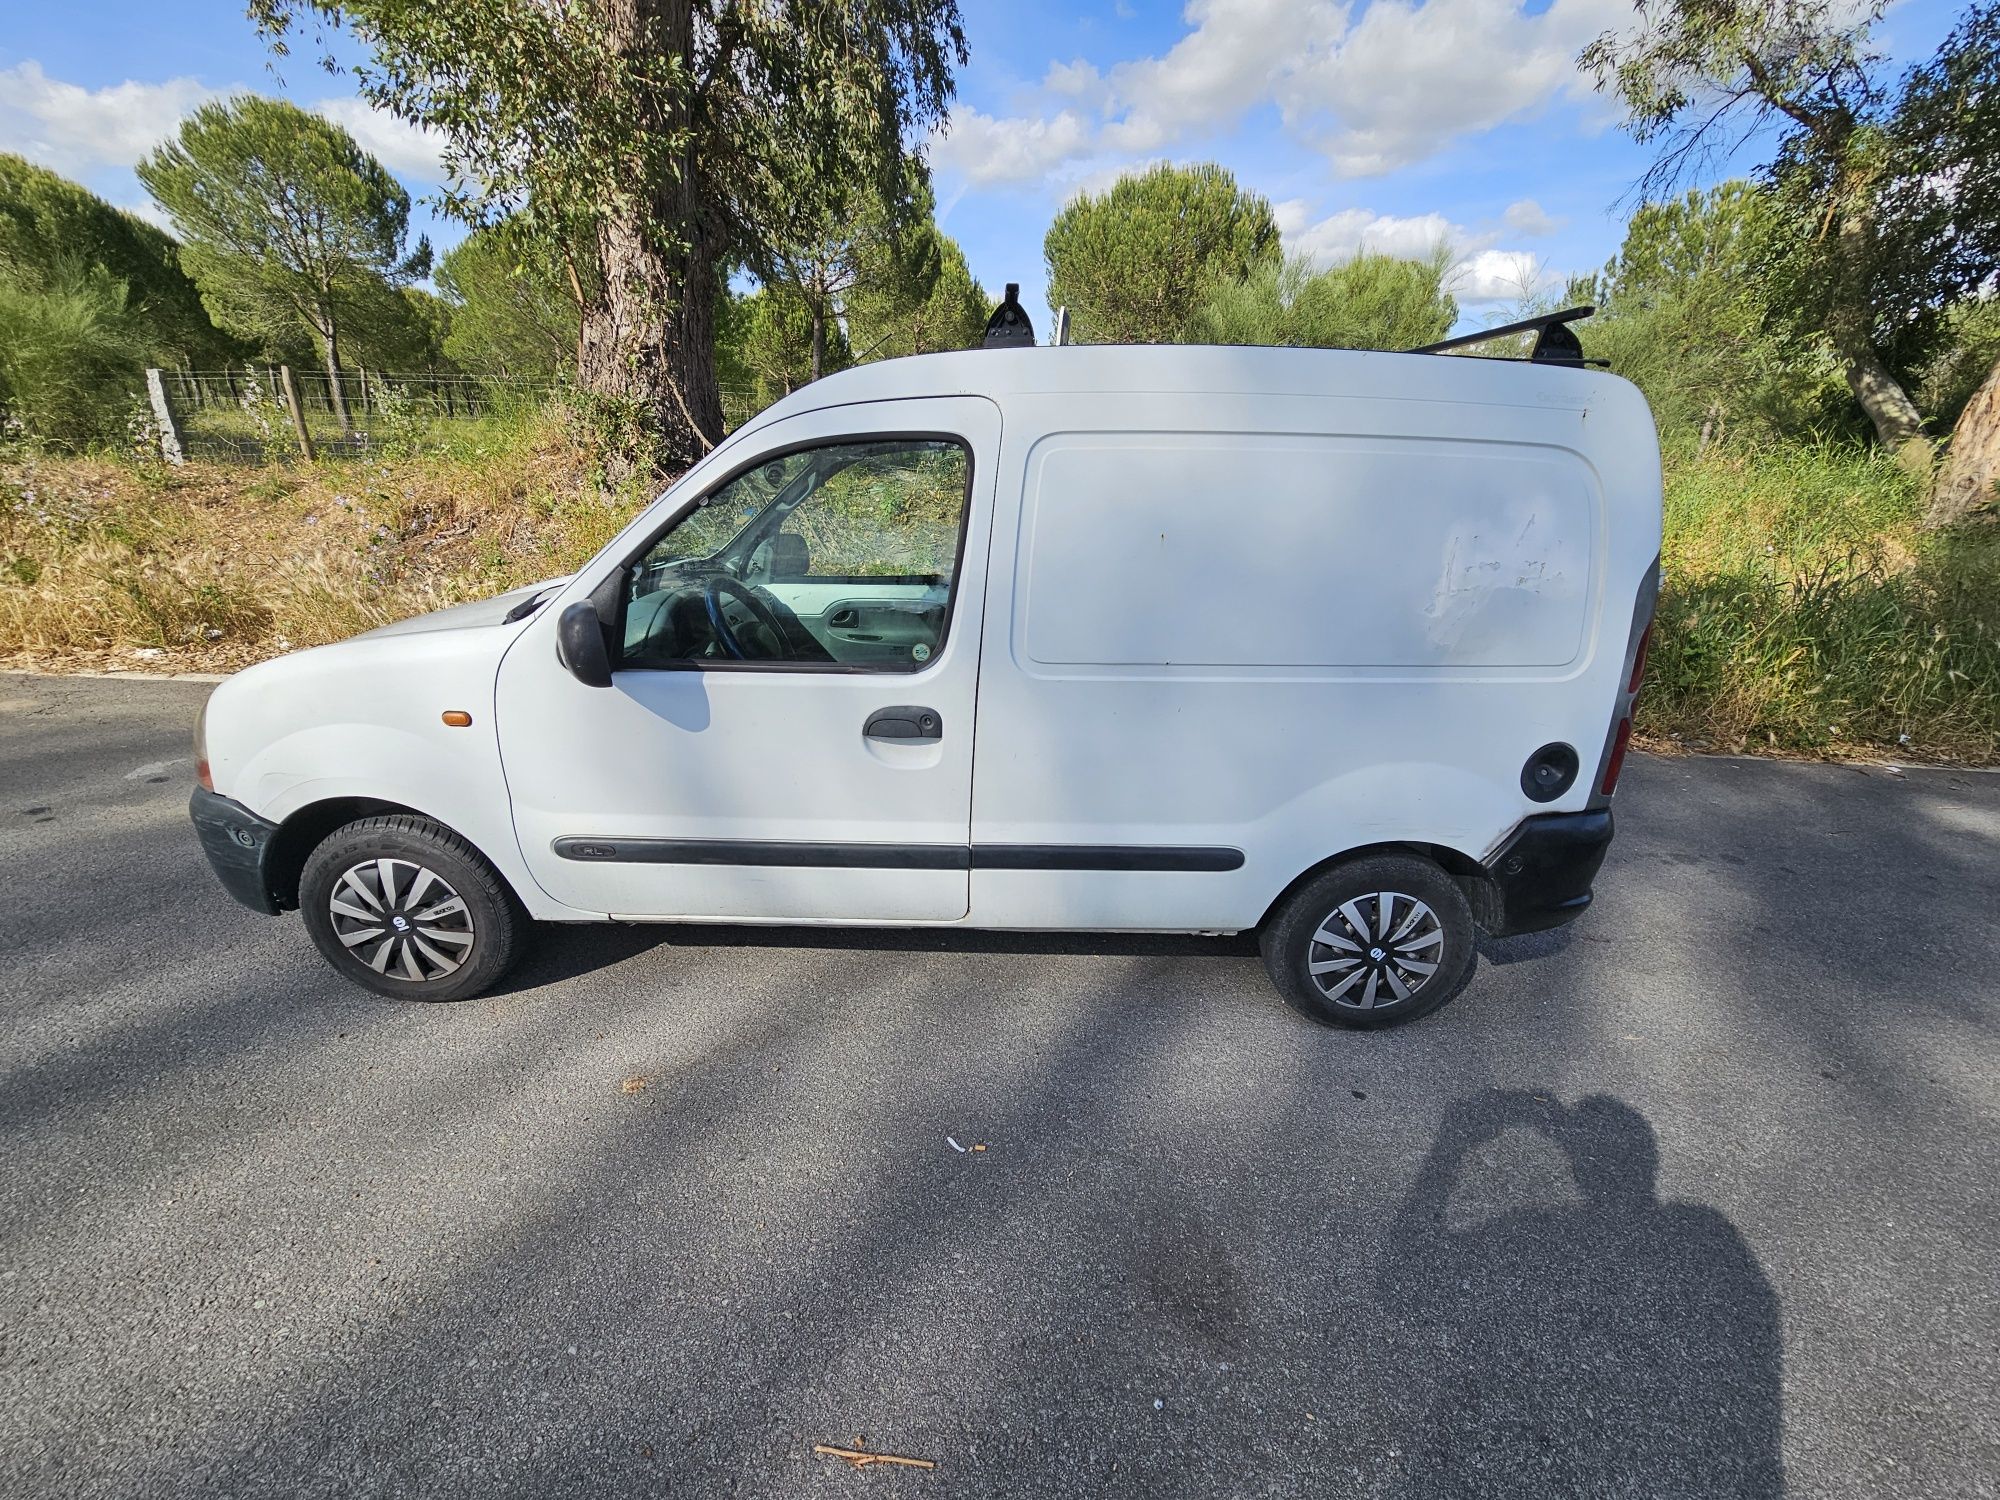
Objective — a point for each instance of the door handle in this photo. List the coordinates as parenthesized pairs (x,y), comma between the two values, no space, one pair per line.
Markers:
(905,724)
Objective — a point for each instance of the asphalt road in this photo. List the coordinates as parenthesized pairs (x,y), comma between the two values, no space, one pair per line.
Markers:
(265,1235)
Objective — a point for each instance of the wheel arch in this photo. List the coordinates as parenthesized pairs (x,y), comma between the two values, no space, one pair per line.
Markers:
(306,828)
(1468,873)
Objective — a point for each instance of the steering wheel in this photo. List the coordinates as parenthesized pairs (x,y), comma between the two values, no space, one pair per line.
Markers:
(752,599)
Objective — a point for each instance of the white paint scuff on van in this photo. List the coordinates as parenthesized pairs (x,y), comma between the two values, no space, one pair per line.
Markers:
(1492,579)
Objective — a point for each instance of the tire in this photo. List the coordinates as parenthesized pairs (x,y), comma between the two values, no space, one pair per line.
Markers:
(1312,926)
(434,943)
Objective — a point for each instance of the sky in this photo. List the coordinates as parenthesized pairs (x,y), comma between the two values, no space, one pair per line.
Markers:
(1385,124)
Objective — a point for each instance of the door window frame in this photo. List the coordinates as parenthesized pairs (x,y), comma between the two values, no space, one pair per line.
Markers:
(622,573)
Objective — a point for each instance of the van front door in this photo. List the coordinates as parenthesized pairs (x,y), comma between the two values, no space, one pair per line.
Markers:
(788,733)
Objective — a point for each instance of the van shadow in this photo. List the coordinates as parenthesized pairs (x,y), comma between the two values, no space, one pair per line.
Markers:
(1596,1342)
(567,951)
(560,951)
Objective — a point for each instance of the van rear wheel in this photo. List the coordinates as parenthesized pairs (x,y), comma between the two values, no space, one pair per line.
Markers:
(1374,942)
(405,907)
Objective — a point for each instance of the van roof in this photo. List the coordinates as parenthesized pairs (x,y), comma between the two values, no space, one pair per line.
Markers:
(1220,369)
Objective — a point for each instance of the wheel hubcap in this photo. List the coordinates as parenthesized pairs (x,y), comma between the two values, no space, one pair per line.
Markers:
(401,919)
(1377,949)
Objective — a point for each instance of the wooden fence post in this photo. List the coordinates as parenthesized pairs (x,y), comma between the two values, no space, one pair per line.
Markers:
(298,413)
(170,434)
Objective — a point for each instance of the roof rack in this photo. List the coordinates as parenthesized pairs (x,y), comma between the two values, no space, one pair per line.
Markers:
(1555,344)
(1009,326)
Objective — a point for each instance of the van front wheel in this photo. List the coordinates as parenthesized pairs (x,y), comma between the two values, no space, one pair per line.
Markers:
(405,907)
(1375,942)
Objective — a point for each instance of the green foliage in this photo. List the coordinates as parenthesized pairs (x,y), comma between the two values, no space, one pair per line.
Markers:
(398,329)
(1134,264)
(291,229)
(674,136)
(1897,205)
(547,115)
(1685,67)
(71,353)
(1683,313)
(1970,349)
(510,316)
(1939,200)
(857,243)
(933,305)
(767,345)
(46,220)
(1883,208)
(1802,610)
(1369,302)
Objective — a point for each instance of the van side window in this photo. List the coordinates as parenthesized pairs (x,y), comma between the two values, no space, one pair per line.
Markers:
(843,555)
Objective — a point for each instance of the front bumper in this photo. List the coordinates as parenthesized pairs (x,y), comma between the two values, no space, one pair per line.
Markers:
(235,840)
(1541,876)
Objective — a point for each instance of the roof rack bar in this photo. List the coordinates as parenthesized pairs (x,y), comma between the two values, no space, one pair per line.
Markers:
(1539,324)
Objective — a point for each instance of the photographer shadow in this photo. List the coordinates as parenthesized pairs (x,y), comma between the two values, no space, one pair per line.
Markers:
(1605,1344)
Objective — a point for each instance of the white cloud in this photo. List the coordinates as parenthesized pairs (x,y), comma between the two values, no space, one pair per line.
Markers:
(1075,80)
(1407,78)
(406,149)
(1481,271)
(77,130)
(1526,217)
(74,129)
(1345,234)
(1374,87)
(986,150)
(1503,276)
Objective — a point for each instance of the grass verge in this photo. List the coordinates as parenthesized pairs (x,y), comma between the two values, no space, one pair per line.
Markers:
(1803,609)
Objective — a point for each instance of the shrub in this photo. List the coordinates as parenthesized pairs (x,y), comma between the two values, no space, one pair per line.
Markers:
(71,355)
(1803,609)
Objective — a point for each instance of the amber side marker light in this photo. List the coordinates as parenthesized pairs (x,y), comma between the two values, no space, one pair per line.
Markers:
(458,718)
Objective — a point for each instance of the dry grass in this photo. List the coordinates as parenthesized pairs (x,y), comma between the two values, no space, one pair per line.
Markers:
(105,564)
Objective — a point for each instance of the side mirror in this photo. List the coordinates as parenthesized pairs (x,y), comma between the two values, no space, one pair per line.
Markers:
(580,645)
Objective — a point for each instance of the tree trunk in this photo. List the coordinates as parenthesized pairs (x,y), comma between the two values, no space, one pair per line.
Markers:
(1898,423)
(333,376)
(819,337)
(1899,426)
(649,332)
(1970,479)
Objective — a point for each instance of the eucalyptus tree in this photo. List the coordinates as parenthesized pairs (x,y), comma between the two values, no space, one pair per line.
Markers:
(671,137)
(288,226)
(1889,193)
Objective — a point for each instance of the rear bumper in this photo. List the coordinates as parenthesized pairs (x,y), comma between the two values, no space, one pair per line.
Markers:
(1541,876)
(235,840)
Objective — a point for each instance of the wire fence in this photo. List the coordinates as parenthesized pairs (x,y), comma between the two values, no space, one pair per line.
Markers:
(268,413)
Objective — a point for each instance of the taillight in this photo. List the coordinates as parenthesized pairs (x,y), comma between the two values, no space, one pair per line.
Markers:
(1639,659)
(1616,762)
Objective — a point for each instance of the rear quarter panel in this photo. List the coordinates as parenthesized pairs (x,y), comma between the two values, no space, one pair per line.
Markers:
(1296,625)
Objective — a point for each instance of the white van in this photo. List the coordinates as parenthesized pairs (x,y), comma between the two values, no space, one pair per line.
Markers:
(1337,646)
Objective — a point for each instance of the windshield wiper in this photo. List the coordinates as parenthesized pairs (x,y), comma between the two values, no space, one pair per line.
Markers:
(528,606)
